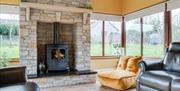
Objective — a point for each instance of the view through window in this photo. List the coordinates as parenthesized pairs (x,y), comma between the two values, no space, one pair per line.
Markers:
(112,37)
(175,23)
(133,37)
(110,32)
(9,36)
(96,38)
(153,35)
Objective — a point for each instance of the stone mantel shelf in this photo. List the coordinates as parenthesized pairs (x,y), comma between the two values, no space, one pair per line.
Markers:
(57,9)
(54,7)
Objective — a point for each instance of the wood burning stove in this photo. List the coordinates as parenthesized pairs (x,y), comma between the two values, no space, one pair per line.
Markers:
(57,54)
(57,57)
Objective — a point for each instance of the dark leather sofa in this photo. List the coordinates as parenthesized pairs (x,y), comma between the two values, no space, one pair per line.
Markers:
(161,75)
(14,79)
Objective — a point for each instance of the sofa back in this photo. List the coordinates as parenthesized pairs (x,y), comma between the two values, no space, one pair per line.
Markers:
(12,75)
(172,58)
(129,63)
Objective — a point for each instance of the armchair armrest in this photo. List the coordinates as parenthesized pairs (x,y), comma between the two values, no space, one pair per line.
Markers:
(150,65)
(12,75)
(145,66)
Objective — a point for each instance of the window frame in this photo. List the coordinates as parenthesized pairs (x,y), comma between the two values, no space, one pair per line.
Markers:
(103,42)
(167,32)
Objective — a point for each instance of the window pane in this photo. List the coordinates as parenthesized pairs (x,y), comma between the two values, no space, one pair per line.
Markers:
(9,36)
(112,37)
(96,38)
(153,35)
(133,37)
(175,25)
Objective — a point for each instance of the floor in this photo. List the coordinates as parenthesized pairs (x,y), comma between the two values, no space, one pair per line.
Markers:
(83,87)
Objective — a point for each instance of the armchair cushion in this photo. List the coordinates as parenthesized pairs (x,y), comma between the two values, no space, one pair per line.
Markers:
(156,79)
(132,64)
(114,74)
(120,80)
(122,63)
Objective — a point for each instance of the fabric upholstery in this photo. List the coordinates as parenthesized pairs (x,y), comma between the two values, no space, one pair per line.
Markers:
(122,63)
(132,64)
(120,80)
(114,74)
(123,77)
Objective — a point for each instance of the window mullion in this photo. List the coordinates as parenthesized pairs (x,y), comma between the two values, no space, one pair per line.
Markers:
(123,35)
(103,38)
(141,21)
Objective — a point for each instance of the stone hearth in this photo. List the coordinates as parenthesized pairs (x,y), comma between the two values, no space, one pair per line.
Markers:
(36,31)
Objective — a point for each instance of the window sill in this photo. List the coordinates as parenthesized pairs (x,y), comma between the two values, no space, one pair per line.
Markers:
(151,58)
(14,60)
(104,57)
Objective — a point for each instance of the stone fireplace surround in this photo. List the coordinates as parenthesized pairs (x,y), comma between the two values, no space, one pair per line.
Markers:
(35,31)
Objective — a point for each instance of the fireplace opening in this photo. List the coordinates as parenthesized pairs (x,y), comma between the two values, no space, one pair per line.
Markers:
(58,54)
(55,40)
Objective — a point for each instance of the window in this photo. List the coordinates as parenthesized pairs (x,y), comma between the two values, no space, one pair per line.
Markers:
(104,36)
(175,17)
(9,35)
(96,37)
(133,37)
(153,35)
(112,37)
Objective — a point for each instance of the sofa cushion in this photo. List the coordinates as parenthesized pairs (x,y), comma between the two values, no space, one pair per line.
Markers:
(114,74)
(120,80)
(122,63)
(157,79)
(28,86)
(132,64)
(175,85)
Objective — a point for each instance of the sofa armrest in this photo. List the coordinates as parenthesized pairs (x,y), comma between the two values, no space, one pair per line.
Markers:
(12,75)
(150,65)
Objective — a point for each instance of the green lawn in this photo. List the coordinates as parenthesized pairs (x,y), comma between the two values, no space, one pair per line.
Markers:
(148,50)
(131,49)
(96,50)
(11,52)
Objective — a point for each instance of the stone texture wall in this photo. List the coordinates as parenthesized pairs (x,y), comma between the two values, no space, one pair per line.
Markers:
(28,31)
(28,43)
